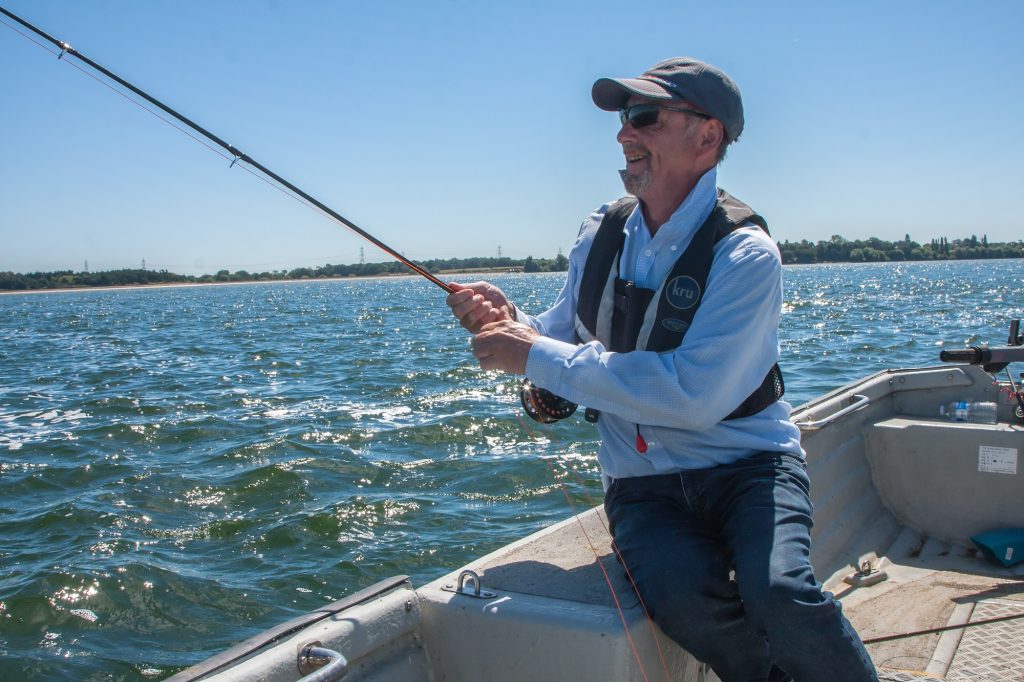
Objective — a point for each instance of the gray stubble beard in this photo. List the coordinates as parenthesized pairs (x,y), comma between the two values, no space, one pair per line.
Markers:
(635,184)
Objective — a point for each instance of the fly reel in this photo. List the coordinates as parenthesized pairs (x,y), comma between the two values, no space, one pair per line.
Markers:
(544,406)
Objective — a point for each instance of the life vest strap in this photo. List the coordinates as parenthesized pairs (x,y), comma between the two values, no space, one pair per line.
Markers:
(631,303)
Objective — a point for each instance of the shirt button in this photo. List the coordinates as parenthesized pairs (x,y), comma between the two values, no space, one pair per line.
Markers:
(647,252)
(674,247)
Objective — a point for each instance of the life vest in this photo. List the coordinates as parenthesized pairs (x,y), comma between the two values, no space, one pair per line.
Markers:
(625,317)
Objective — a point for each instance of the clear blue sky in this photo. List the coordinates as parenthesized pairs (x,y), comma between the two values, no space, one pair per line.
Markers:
(453,129)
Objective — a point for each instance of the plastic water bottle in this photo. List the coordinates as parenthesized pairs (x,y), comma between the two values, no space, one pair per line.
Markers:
(966,411)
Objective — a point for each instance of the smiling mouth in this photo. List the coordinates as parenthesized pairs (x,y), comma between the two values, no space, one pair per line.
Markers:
(634,155)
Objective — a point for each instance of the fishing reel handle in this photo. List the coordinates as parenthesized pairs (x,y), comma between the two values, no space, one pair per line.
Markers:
(542,405)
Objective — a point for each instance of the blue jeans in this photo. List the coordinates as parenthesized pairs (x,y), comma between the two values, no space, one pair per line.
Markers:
(679,535)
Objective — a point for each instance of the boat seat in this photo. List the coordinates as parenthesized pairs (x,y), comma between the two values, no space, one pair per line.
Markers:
(948,480)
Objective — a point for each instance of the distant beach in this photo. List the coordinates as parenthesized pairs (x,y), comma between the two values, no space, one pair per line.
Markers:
(166,285)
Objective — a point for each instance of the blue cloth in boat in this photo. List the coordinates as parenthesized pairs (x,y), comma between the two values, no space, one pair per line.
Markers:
(1003,546)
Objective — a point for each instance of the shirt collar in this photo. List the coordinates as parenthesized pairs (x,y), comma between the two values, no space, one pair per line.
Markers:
(690,214)
(645,260)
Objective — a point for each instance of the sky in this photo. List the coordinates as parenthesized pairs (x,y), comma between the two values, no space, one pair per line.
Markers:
(460,129)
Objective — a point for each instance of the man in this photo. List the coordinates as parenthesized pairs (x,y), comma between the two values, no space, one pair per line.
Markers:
(668,327)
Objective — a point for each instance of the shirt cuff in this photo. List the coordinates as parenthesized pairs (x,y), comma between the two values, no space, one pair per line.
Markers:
(546,360)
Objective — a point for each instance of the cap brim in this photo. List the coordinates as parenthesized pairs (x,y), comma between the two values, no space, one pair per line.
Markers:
(611,94)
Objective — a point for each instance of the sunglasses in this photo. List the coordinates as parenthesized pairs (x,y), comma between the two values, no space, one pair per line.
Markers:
(643,115)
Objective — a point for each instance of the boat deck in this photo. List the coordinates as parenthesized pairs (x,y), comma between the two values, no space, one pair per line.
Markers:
(929,585)
(932,585)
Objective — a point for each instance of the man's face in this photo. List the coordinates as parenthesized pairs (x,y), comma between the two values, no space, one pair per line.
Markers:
(662,155)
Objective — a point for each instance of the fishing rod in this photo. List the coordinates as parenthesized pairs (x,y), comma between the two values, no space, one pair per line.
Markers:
(540,404)
(236,154)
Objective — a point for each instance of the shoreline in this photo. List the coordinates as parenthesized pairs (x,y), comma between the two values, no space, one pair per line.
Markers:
(443,275)
(171,285)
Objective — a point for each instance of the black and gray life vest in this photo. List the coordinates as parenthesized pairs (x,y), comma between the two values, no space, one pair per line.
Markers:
(625,317)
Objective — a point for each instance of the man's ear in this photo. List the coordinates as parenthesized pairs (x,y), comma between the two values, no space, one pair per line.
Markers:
(712,135)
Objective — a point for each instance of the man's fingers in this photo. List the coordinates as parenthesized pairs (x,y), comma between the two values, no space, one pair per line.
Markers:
(469,308)
(503,345)
(478,314)
(483,345)
(493,315)
(479,346)
(459,298)
(478,304)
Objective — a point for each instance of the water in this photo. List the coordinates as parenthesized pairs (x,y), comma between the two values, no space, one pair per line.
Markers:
(181,468)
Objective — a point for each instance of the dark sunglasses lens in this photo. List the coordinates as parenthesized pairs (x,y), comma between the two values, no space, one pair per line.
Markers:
(641,115)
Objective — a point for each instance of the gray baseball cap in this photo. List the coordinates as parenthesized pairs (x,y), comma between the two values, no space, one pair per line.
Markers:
(679,78)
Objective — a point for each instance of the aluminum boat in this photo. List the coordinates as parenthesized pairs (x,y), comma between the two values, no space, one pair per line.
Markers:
(902,495)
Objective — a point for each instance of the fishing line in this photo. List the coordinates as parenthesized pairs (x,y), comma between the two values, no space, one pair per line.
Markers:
(944,628)
(600,564)
(156,114)
(629,576)
(236,156)
(180,129)
(110,87)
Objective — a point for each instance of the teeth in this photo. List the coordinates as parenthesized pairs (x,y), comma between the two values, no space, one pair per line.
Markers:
(633,155)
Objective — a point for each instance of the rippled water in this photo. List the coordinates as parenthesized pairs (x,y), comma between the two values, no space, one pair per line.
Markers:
(183,467)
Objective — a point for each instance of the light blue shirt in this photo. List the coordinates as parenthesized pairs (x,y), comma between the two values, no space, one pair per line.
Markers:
(678,398)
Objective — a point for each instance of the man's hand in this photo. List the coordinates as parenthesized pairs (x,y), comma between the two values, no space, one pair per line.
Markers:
(504,345)
(479,304)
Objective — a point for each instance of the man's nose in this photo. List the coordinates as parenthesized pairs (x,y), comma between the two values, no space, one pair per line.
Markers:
(627,133)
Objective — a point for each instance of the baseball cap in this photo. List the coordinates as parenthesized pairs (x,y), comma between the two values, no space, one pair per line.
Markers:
(679,78)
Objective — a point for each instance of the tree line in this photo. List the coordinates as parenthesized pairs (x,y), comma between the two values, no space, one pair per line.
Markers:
(835,250)
(874,250)
(67,279)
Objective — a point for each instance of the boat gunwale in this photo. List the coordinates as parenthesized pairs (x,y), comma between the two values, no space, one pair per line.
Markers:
(265,638)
